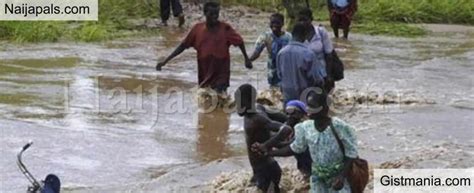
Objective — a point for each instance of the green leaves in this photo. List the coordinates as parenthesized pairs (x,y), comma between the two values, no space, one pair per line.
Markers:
(417,11)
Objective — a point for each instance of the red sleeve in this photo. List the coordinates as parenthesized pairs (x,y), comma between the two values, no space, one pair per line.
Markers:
(233,38)
(190,39)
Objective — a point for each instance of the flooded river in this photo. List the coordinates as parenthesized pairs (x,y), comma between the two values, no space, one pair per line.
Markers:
(101,116)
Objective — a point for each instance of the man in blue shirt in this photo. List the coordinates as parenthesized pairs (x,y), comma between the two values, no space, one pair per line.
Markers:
(297,66)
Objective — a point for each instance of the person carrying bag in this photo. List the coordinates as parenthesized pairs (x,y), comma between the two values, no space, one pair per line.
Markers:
(358,175)
(334,65)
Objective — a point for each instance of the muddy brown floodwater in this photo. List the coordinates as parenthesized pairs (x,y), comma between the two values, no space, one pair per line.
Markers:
(104,120)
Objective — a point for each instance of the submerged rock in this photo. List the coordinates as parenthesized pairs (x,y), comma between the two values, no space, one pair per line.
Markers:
(271,97)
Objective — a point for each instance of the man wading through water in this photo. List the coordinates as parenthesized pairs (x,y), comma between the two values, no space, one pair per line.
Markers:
(258,127)
(295,113)
(212,40)
(165,11)
(273,40)
(297,66)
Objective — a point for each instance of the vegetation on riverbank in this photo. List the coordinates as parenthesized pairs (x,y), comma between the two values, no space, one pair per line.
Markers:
(406,11)
(388,17)
(113,16)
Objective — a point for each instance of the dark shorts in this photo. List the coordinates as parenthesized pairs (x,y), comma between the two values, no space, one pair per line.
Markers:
(272,75)
(266,174)
(165,8)
(273,79)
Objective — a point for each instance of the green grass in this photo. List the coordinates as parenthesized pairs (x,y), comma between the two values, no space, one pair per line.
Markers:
(29,31)
(373,17)
(389,17)
(89,32)
(408,11)
(113,16)
(417,11)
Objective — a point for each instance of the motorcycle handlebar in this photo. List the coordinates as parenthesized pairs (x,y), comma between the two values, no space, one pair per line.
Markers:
(22,167)
(27,146)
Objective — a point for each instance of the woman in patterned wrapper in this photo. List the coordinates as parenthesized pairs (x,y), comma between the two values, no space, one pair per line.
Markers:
(341,13)
(330,165)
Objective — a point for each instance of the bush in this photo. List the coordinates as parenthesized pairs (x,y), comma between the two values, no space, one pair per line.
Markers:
(417,11)
(372,17)
(112,18)
(405,11)
(29,31)
(89,32)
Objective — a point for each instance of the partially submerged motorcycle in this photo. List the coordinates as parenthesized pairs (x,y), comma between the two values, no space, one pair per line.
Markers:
(51,184)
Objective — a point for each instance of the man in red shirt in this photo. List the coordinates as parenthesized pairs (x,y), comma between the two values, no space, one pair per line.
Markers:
(212,40)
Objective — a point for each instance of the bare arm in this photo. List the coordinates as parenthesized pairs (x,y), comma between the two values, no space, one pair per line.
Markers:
(277,116)
(273,114)
(248,63)
(256,53)
(284,132)
(283,152)
(181,47)
(283,144)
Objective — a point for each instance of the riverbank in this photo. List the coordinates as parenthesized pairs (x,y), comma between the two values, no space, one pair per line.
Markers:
(111,24)
(401,11)
(119,19)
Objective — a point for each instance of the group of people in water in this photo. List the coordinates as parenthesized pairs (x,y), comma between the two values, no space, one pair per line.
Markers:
(296,66)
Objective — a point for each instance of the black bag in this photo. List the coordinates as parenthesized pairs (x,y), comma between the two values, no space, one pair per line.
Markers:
(358,176)
(334,66)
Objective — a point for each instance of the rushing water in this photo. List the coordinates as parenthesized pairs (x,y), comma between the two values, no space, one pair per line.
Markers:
(100,115)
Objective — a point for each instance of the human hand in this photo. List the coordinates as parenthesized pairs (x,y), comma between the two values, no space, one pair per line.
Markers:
(248,63)
(159,65)
(338,183)
(258,148)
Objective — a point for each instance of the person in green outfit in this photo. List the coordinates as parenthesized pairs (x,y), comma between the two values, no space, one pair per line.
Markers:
(330,165)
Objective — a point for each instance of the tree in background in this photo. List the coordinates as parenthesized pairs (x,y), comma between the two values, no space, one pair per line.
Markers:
(292,8)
